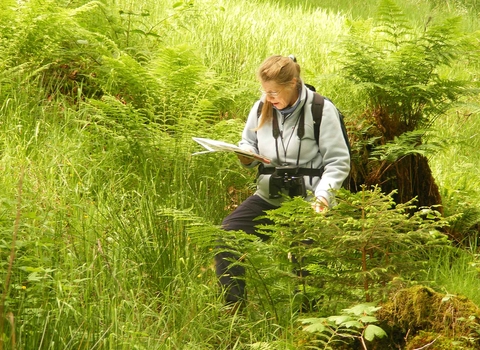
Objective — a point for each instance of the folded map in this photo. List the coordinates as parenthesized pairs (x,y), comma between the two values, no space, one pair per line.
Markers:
(220,146)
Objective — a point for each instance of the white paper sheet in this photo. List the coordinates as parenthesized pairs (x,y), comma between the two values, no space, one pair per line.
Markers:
(220,146)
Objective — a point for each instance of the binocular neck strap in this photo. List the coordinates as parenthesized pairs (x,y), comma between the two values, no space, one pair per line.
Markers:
(275,132)
(300,132)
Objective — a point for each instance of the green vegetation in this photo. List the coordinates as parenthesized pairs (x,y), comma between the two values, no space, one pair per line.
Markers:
(108,223)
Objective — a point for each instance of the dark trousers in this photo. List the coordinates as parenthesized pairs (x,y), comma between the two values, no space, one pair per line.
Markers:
(231,277)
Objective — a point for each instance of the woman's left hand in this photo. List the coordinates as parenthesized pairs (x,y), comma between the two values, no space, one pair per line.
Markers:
(320,204)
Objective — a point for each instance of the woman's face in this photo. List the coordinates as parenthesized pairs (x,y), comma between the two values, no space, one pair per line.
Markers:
(280,96)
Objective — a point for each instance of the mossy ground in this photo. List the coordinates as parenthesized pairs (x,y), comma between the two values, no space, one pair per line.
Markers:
(419,317)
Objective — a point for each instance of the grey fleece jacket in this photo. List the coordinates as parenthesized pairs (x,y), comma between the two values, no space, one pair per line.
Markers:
(331,152)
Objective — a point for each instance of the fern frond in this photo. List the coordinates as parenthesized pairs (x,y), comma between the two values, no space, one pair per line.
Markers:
(86,8)
(400,70)
(188,88)
(129,81)
(405,144)
(441,42)
(393,24)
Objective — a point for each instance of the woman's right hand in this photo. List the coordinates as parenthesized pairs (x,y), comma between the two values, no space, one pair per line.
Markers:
(244,160)
(248,160)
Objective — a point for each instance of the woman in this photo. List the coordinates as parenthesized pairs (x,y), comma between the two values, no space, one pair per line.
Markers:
(284,133)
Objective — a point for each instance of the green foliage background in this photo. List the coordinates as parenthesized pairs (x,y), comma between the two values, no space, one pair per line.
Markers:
(107,221)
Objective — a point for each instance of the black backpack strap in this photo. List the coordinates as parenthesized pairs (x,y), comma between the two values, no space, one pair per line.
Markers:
(259,109)
(317,113)
(310,87)
(344,127)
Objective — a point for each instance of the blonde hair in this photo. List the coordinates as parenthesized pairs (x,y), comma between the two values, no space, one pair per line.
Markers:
(281,70)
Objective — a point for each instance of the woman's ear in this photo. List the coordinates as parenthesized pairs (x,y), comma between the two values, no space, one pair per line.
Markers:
(294,82)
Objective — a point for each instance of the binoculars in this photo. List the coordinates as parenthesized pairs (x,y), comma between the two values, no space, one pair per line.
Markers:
(288,178)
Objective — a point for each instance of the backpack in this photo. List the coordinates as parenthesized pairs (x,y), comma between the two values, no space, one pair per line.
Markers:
(317,113)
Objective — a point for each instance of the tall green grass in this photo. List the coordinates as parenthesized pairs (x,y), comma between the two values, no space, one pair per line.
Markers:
(455,272)
(105,256)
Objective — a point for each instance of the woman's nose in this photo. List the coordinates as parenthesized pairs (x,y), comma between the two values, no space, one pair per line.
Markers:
(270,98)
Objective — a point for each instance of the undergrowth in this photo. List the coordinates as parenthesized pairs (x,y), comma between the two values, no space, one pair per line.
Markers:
(108,223)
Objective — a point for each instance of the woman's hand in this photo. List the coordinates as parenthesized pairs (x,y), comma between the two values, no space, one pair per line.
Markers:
(244,160)
(320,204)
(248,160)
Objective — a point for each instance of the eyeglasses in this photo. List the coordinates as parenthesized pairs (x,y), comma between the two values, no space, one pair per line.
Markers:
(270,93)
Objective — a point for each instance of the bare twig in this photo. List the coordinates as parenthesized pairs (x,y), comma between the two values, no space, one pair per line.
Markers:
(427,345)
(363,343)
(406,335)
